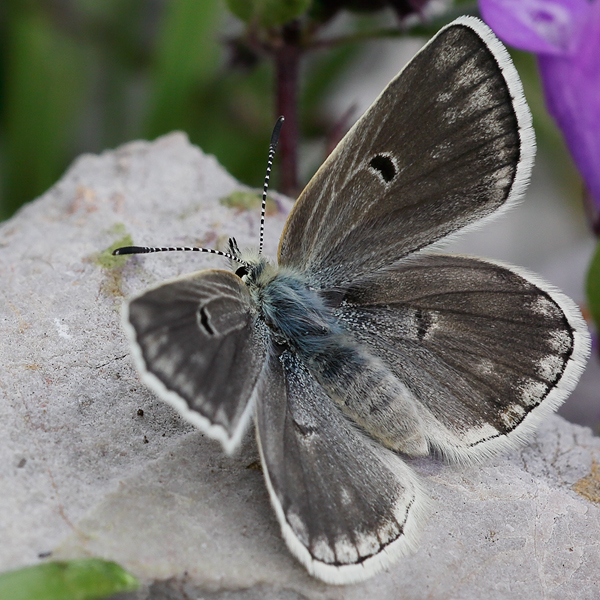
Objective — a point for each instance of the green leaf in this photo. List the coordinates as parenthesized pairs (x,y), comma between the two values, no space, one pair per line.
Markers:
(46,80)
(188,56)
(233,119)
(87,579)
(593,288)
(268,13)
(242,9)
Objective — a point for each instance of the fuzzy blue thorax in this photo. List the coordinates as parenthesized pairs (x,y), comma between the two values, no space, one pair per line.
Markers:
(294,312)
(359,383)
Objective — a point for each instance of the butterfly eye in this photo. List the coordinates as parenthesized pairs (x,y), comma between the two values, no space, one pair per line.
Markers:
(242,272)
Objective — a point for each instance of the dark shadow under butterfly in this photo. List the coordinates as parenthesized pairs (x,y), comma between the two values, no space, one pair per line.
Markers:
(357,346)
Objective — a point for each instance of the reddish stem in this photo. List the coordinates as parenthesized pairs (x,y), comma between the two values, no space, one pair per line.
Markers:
(287,59)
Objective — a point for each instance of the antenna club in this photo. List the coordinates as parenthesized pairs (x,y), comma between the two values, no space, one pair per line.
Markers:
(276,132)
(272,148)
(130,250)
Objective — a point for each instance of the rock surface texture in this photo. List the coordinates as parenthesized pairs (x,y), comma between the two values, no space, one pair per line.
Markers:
(93,464)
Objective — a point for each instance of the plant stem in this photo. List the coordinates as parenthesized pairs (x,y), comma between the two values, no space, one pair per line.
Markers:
(425,29)
(287,59)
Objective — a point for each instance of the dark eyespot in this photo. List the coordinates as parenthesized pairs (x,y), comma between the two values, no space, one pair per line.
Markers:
(241,272)
(205,322)
(423,322)
(384,165)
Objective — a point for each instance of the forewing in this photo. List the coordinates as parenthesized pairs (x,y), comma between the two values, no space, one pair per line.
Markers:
(347,507)
(447,143)
(199,345)
(486,350)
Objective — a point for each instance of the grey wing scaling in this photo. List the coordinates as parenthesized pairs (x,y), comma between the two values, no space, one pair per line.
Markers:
(200,346)
(485,350)
(447,143)
(347,507)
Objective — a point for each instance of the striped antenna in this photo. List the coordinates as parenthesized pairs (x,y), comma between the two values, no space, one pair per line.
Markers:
(147,250)
(272,148)
(234,255)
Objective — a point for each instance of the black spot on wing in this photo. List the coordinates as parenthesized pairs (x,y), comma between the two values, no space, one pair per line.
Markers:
(205,321)
(384,166)
(423,323)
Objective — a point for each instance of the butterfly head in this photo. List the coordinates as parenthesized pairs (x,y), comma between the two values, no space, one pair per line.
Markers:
(253,269)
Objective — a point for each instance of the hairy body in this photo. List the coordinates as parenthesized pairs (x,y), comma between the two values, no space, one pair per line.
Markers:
(301,319)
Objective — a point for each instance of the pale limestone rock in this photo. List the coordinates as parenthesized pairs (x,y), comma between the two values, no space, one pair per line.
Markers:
(85,473)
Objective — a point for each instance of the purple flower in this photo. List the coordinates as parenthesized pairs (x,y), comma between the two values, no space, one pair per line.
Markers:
(565,35)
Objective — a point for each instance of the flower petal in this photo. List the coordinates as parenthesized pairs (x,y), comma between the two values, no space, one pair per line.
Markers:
(540,26)
(572,89)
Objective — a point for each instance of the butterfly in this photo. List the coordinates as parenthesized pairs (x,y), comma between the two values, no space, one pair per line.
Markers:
(362,345)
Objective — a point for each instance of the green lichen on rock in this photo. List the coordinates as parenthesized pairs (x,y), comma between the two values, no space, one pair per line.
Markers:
(113,265)
(247,201)
(105,259)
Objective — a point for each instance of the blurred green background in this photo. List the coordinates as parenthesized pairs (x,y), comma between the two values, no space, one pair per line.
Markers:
(82,76)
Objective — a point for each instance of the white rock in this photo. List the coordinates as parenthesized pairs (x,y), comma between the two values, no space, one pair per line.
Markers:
(84,474)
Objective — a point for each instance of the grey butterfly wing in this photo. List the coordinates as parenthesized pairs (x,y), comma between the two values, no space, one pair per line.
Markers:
(485,350)
(347,507)
(447,143)
(200,346)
